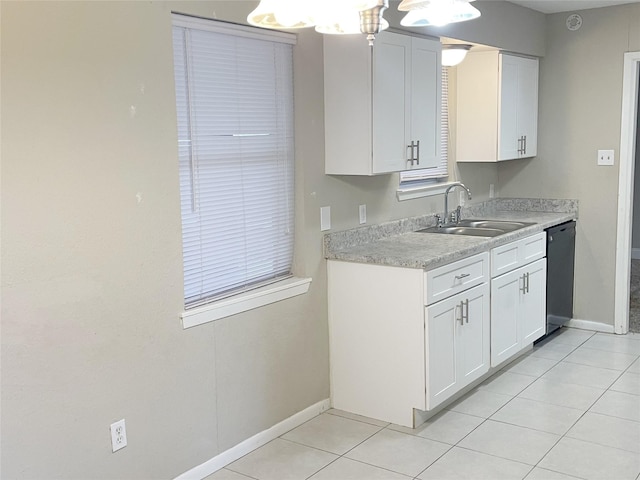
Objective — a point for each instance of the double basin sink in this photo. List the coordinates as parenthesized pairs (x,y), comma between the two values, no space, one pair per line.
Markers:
(478,228)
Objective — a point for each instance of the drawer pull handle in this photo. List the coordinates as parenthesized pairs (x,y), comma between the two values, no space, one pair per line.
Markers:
(464,275)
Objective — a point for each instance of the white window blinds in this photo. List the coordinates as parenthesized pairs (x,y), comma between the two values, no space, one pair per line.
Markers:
(442,169)
(234,97)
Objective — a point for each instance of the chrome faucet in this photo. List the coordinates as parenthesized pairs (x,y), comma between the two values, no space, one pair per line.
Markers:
(446,199)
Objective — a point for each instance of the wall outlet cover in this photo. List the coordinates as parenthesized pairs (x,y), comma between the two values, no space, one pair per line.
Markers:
(606,157)
(362,212)
(325,218)
(118,435)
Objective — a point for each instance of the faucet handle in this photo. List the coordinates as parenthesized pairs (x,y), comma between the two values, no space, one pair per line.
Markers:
(457,214)
(438,220)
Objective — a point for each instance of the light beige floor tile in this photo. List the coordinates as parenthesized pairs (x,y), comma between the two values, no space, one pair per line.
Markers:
(563,394)
(510,442)
(543,474)
(507,383)
(618,404)
(399,452)
(537,415)
(571,336)
(480,403)
(628,383)
(565,372)
(282,460)
(635,367)
(590,461)
(331,433)
(359,418)
(610,431)
(601,358)
(533,366)
(614,343)
(225,474)
(449,427)
(459,463)
(346,469)
(553,351)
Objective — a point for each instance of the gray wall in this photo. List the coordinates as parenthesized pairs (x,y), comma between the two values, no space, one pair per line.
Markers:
(580,105)
(91,253)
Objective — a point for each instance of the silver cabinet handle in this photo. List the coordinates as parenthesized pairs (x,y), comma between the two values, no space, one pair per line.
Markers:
(410,155)
(524,149)
(461,317)
(464,275)
(527,282)
(523,288)
(465,315)
(418,150)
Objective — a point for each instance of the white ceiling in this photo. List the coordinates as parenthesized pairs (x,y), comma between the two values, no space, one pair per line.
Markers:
(555,6)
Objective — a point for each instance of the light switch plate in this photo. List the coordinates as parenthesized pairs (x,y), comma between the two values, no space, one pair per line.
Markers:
(325,218)
(605,157)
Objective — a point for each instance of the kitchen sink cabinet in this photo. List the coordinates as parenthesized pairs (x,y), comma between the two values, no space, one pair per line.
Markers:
(497,107)
(382,104)
(518,299)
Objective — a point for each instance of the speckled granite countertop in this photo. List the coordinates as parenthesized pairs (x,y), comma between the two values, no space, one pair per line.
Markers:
(398,243)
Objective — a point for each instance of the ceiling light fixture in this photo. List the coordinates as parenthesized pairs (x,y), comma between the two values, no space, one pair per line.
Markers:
(341,16)
(452,55)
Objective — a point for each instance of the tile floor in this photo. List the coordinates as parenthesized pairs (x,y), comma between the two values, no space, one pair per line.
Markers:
(569,409)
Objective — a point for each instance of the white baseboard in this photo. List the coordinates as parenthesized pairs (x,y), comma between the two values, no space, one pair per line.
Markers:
(635,253)
(589,325)
(225,458)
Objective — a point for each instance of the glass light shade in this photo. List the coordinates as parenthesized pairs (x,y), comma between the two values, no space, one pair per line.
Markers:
(407,5)
(439,13)
(281,14)
(454,54)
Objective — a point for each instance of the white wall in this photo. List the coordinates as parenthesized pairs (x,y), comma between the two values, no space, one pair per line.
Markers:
(580,105)
(91,253)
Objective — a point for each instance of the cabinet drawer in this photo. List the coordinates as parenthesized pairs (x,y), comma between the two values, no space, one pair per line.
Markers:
(517,254)
(456,277)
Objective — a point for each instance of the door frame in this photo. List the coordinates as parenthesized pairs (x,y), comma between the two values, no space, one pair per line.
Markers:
(628,126)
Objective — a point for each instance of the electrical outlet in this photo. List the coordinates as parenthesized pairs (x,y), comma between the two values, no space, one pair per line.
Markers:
(605,157)
(362,210)
(118,435)
(492,191)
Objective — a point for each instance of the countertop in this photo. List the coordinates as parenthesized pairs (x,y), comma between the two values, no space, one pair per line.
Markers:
(426,251)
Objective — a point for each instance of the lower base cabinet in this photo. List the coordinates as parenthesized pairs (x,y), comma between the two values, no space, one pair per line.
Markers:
(518,310)
(457,337)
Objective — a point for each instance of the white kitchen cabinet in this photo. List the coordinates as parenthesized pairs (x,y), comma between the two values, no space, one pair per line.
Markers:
(457,337)
(497,107)
(392,349)
(518,297)
(382,104)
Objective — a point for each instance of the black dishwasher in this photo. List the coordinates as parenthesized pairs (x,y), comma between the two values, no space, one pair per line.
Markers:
(561,241)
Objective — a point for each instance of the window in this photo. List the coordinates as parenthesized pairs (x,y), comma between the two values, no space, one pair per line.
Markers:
(234,99)
(425,175)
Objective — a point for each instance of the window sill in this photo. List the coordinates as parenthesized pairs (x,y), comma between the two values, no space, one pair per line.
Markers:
(409,193)
(245,301)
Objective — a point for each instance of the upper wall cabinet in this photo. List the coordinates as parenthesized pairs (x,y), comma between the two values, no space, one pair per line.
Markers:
(497,107)
(382,104)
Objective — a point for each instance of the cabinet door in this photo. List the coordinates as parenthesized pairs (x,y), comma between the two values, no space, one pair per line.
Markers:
(457,342)
(474,335)
(527,120)
(442,322)
(505,305)
(425,102)
(534,301)
(391,97)
(508,144)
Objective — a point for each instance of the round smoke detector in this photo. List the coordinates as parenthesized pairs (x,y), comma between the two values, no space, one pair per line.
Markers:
(574,22)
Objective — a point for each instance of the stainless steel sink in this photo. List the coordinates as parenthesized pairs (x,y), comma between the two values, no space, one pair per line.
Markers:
(505,225)
(478,228)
